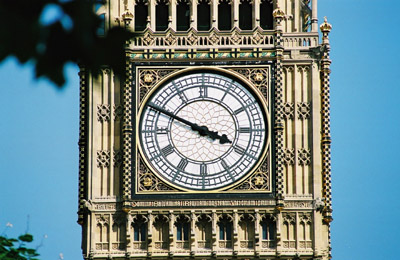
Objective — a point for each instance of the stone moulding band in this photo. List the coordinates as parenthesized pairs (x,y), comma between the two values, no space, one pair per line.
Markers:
(191,54)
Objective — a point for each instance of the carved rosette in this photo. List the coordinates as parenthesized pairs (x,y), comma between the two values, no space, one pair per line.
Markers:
(289,156)
(103,113)
(303,110)
(288,110)
(103,159)
(304,156)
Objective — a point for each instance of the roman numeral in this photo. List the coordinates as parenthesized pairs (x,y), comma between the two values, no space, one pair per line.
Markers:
(224,164)
(238,110)
(203,169)
(182,96)
(244,130)
(162,130)
(182,165)
(240,150)
(167,150)
(203,91)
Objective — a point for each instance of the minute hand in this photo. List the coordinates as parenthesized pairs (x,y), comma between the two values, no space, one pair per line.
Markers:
(202,130)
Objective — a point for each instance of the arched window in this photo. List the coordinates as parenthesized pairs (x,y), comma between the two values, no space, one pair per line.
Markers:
(183,15)
(139,231)
(204,231)
(139,226)
(224,15)
(245,15)
(246,231)
(203,15)
(161,228)
(268,228)
(141,13)
(266,19)
(225,231)
(162,14)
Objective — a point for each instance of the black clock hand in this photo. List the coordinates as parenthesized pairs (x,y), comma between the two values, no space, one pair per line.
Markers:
(202,130)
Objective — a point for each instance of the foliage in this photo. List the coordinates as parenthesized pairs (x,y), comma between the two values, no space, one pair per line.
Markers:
(70,37)
(10,251)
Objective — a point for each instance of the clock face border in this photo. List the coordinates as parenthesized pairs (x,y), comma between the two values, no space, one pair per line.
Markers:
(174,72)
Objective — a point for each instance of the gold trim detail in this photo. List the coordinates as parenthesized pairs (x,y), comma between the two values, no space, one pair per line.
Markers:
(148,78)
(258,181)
(147,181)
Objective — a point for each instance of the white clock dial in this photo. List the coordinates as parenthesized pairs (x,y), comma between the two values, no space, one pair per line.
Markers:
(202,131)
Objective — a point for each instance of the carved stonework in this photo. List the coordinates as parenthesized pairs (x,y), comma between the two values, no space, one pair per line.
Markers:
(103,113)
(303,110)
(289,218)
(305,218)
(247,217)
(147,181)
(259,77)
(118,112)
(103,158)
(288,156)
(117,158)
(148,78)
(304,156)
(288,110)
(103,219)
(259,180)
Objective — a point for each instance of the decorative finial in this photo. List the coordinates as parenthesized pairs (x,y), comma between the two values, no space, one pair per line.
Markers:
(278,13)
(325,26)
(127,16)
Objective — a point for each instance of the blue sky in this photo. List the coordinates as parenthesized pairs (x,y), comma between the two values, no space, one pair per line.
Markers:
(39,135)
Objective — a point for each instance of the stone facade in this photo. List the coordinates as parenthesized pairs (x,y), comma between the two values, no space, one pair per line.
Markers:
(282,209)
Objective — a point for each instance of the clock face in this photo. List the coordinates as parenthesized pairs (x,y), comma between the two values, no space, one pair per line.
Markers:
(202,131)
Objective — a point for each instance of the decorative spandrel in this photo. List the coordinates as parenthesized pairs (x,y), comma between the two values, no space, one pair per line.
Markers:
(259,77)
(147,181)
(148,78)
(259,180)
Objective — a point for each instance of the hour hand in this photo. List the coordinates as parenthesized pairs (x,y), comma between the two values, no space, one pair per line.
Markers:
(202,130)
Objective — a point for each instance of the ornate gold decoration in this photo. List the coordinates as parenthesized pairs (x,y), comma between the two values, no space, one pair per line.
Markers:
(214,39)
(259,180)
(148,78)
(236,39)
(258,77)
(192,38)
(170,39)
(147,181)
(148,39)
(257,38)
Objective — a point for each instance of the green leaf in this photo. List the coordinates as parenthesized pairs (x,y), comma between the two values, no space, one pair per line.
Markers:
(26,238)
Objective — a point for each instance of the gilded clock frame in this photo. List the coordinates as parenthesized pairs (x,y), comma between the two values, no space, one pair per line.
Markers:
(149,78)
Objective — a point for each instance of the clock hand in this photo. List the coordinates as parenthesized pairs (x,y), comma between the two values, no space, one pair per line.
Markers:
(202,130)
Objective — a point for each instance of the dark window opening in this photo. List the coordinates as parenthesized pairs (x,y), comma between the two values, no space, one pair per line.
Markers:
(162,14)
(101,30)
(268,229)
(182,231)
(245,15)
(266,19)
(139,232)
(225,230)
(224,16)
(203,16)
(141,13)
(183,16)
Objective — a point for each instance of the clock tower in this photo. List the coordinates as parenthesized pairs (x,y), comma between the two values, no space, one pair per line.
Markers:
(215,143)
